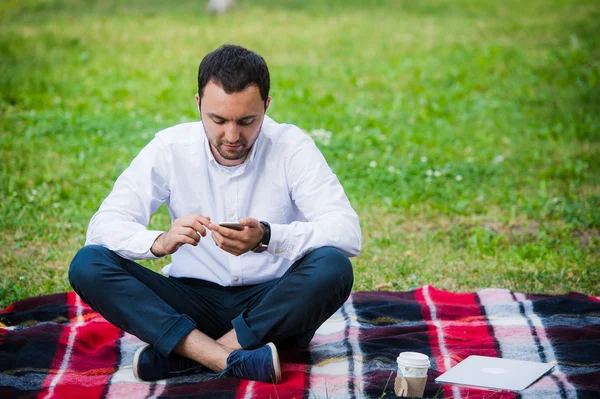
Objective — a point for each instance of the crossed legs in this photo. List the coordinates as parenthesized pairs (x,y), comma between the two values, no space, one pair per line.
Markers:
(192,317)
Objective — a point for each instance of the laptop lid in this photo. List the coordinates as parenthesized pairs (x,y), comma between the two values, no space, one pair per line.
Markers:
(494,373)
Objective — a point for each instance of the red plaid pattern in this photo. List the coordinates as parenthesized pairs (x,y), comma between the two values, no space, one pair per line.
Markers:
(57,347)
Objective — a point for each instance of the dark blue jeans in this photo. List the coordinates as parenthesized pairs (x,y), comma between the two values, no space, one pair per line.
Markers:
(163,310)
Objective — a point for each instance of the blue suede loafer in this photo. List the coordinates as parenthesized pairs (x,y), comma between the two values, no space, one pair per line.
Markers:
(260,364)
(149,365)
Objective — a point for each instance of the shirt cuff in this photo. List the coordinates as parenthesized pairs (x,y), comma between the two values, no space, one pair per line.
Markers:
(141,243)
(281,243)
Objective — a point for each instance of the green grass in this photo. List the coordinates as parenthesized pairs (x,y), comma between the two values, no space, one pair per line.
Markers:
(466,134)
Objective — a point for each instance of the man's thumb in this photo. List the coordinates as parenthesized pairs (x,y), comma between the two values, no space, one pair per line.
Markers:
(249,222)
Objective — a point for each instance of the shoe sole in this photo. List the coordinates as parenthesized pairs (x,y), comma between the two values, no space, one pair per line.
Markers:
(136,359)
(276,365)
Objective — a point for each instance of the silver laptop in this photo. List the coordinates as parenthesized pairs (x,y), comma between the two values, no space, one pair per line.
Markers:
(494,373)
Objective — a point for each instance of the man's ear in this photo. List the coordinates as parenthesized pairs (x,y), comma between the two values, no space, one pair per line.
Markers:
(267,103)
(197,97)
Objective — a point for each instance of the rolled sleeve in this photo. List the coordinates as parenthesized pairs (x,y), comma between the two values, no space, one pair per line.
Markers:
(140,245)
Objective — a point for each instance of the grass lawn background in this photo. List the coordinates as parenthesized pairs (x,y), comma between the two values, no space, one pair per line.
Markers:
(466,133)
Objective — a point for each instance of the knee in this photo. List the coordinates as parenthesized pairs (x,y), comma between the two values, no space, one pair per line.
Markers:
(336,268)
(83,267)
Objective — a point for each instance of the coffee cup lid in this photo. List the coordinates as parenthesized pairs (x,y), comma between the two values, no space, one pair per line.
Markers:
(413,359)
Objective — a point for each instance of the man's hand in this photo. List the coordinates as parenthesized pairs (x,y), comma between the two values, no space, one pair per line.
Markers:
(238,242)
(185,230)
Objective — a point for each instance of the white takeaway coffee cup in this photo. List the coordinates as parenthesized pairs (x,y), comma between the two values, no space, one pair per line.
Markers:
(412,374)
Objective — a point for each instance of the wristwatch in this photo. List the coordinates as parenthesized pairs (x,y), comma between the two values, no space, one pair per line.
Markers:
(264,243)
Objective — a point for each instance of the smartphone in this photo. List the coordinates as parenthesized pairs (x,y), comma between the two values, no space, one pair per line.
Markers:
(233,226)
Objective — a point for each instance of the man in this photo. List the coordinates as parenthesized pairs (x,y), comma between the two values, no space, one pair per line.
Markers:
(232,297)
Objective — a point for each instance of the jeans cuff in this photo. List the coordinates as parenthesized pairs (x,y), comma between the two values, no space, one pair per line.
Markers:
(174,334)
(245,336)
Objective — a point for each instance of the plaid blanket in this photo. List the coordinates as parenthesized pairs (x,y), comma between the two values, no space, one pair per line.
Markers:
(56,347)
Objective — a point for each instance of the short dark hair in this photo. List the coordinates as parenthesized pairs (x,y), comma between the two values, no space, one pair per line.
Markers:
(234,68)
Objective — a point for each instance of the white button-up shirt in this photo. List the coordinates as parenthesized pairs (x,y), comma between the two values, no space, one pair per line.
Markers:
(285,181)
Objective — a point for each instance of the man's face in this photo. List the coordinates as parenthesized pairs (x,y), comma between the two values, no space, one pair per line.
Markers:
(232,121)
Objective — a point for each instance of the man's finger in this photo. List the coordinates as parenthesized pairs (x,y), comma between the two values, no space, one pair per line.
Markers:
(217,238)
(186,231)
(197,226)
(186,240)
(204,220)
(192,233)
(227,243)
(224,231)
(191,220)
(249,222)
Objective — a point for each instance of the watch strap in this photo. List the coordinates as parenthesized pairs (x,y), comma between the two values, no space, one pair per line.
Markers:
(266,238)
(267,235)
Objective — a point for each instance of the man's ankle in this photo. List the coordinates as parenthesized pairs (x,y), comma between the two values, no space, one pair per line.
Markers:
(230,341)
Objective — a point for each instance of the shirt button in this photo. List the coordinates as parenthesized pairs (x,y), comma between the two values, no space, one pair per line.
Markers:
(231,213)
(278,251)
(236,279)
